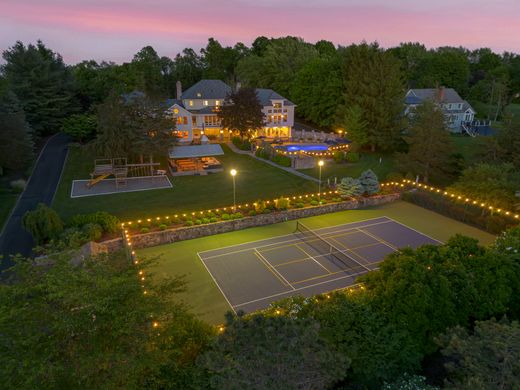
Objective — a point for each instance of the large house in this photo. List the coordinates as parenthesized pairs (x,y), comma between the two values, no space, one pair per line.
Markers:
(195,112)
(458,113)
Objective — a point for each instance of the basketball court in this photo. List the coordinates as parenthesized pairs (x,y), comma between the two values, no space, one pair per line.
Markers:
(306,262)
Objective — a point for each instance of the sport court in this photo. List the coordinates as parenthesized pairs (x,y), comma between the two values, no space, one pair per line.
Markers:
(306,262)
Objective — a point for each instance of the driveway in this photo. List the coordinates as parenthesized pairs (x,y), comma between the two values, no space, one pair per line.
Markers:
(40,189)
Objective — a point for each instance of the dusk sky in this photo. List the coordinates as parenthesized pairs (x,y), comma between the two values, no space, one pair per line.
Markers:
(116,29)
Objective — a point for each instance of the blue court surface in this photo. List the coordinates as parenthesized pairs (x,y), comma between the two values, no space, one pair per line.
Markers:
(307,262)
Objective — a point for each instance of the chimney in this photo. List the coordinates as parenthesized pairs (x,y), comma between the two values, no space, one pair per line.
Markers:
(179,90)
(440,94)
(237,86)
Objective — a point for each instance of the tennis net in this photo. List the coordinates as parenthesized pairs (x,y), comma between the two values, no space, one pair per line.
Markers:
(323,246)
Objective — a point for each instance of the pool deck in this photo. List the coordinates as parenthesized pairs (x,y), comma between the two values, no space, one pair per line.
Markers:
(286,169)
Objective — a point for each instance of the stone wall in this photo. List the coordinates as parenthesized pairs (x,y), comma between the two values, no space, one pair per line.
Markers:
(186,233)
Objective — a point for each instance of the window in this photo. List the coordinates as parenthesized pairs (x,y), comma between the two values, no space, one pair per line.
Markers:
(198,94)
(211,120)
(175,110)
(205,102)
(269,111)
(285,110)
(191,103)
(277,105)
(217,102)
(185,120)
(194,119)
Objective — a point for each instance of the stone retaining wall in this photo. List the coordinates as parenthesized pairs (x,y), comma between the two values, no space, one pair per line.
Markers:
(189,232)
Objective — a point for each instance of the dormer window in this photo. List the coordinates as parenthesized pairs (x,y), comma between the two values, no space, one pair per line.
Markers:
(205,102)
(277,105)
(199,94)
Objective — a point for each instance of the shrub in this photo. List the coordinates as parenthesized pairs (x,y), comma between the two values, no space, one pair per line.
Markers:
(252,213)
(314,202)
(352,157)
(205,220)
(176,220)
(108,222)
(369,182)
(162,226)
(338,156)
(18,185)
(71,238)
(259,206)
(237,216)
(198,222)
(283,161)
(213,219)
(211,214)
(80,126)
(262,153)
(241,144)
(349,188)
(43,223)
(225,217)
(145,230)
(188,223)
(92,231)
(299,205)
(282,203)
(266,211)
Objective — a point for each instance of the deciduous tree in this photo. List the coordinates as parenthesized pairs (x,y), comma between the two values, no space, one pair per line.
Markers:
(242,112)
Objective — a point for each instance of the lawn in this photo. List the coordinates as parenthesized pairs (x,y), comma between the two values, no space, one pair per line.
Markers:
(202,294)
(381,164)
(255,180)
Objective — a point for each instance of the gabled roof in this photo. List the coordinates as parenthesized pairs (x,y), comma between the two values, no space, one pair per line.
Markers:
(191,151)
(207,89)
(449,95)
(266,95)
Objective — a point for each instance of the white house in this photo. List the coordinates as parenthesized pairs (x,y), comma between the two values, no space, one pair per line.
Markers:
(457,112)
(194,111)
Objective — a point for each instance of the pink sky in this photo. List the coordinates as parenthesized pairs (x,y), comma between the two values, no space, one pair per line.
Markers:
(116,29)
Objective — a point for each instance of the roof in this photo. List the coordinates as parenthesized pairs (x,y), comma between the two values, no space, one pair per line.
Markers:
(191,151)
(207,89)
(205,110)
(266,95)
(450,95)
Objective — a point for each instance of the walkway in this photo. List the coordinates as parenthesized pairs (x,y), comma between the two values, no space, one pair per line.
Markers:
(40,189)
(286,169)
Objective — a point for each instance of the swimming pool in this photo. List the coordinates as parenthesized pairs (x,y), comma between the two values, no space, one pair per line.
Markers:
(304,147)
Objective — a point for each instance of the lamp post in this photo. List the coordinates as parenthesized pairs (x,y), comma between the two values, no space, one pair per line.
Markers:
(320,164)
(233,173)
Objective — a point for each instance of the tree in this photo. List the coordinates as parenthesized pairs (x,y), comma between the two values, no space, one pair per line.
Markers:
(137,127)
(489,358)
(80,127)
(147,66)
(264,352)
(317,88)
(220,62)
(373,82)
(494,184)
(242,112)
(350,119)
(43,223)
(369,182)
(325,48)
(16,145)
(187,68)
(349,188)
(92,326)
(428,140)
(43,84)
(276,68)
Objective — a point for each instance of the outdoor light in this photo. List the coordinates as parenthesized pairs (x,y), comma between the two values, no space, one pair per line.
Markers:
(320,164)
(233,174)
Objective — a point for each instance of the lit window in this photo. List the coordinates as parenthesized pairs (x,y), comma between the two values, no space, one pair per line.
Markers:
(175,110)
(191,103)
(217,102)
(198,94)
(205,102)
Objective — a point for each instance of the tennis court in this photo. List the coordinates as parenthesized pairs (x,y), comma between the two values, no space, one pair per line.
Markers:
(306,262)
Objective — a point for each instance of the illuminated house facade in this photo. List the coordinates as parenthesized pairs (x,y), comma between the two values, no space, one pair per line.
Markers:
(195,112)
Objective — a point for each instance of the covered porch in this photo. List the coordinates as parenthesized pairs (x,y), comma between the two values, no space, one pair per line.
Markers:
(195,159)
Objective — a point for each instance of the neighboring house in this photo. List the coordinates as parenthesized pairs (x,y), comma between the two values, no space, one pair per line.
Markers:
(195,111)
(458,113)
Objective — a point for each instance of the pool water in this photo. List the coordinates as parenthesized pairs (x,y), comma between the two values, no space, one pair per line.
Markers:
(305,148)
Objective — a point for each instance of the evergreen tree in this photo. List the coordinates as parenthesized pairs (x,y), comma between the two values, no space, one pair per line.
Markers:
(43,84)
(369,182)
(350,119)
(349,188)
(428,140)
(16,145)
(373,82)
(43,223)
(242,112)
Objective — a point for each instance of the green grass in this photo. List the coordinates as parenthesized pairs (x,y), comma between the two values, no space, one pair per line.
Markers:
(7,202)
(513,109)
(204,297)
(255,180)
(367,161)
(467,146)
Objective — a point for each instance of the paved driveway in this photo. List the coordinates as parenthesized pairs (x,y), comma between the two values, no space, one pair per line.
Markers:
(40,189)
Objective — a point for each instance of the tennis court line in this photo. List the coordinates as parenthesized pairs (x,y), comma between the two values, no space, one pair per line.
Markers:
(290,234)
(393,247)
(312,258)
(417,231)
(218,286)
(303,288)
(325,275)
(272,269)
(281,242)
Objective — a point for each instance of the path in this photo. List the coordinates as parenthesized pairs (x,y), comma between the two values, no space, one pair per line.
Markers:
(286,169)
(40,189)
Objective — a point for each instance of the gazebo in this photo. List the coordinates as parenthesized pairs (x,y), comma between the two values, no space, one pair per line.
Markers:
(195,159)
